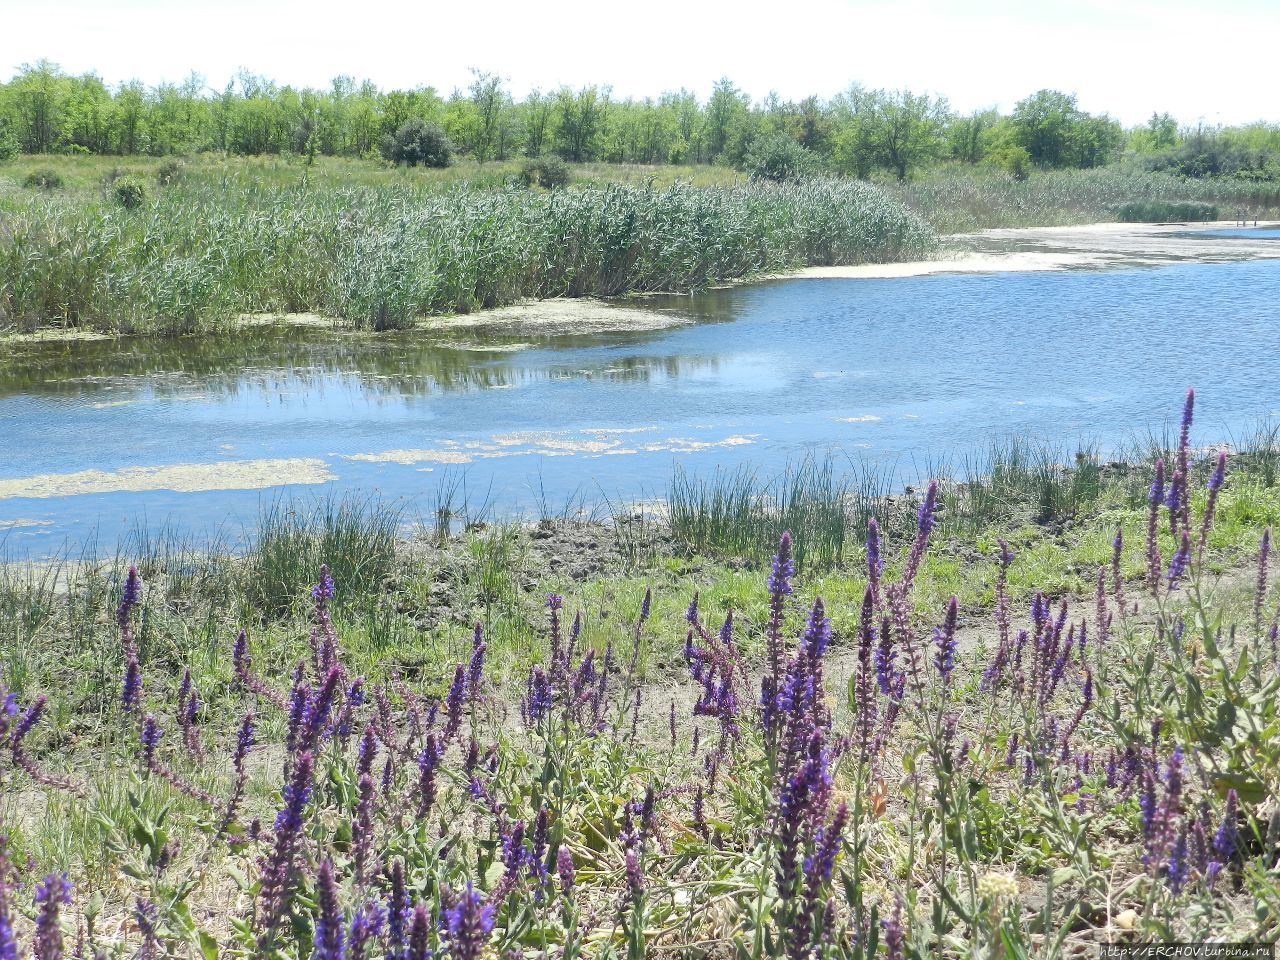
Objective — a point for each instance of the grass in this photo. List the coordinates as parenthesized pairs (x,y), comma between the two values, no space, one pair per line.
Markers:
(961,199)
(380,250)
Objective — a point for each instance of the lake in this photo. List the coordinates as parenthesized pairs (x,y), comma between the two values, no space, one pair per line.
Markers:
(99,435)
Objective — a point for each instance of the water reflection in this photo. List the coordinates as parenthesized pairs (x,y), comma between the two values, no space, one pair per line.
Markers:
(904,371)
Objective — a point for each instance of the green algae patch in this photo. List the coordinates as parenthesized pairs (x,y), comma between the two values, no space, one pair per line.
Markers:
(179,478)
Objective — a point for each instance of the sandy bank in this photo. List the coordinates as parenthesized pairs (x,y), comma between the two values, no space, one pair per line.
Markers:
(1025,249)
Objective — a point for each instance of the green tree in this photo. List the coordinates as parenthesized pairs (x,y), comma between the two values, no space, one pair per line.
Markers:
(579,120)
(903,130)
(727,112)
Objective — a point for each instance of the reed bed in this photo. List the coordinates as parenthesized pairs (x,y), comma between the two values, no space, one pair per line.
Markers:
(203,253)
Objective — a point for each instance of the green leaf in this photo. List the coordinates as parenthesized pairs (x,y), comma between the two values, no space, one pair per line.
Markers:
(208,945)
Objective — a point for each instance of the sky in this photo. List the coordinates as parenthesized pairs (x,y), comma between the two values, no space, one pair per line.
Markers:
(1123,57)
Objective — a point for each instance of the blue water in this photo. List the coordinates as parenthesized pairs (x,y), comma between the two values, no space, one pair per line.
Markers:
(1240,233)
(901,371)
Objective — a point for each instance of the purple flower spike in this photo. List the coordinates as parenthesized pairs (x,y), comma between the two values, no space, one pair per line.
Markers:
(893,934)
(1178,565)
(420,934)
(564,868)
(129,599)
(150,736)
(52,894)
(322,592)
(475,668)
(944,638)
(454,702)
(1224,841)
(131,689)
(330,937)
(469,923)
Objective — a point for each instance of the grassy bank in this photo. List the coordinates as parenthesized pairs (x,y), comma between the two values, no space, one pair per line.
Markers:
(564,785)
(197,254)
(960,199)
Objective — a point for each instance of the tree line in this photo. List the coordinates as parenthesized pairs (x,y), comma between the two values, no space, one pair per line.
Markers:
(859,132)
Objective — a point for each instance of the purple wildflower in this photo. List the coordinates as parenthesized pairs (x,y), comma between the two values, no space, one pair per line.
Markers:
(397,913)
(330,937)
(366,926)
(564,868)
(52,894)
(1211,503)
(635,877)
(420,933)
(322,592)
(1178,565)
(944,639)
(538,696)
(469,923)
(454,702)
(779,586)
(131,689)
(893,933)
(1179,865)
(278,871)
(1224,841)
(475,667)
(129,599)
(149,736)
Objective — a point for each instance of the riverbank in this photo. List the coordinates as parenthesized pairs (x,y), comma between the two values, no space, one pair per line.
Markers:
(1009,250)
(1063,838)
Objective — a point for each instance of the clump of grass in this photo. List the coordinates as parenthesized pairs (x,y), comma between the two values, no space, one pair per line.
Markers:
(1165,211)
(738,513)
(358,537)
(43,180)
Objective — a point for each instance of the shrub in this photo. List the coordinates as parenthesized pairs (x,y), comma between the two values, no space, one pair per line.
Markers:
(419,142)
(43,180)
(169,172)
(548,172)
(1015,161)
(778,158)
(1158,211)
(8,145)
(130,191)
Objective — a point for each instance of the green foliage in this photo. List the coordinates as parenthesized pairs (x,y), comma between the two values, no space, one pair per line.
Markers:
(959,199)
(43,179)
(209,250)
(417,142)
(357,537)
(1056,133)
(9,146)
(130,191)
(169,172)
(1163,211)
(778,158)
(1248,154)
(547,171)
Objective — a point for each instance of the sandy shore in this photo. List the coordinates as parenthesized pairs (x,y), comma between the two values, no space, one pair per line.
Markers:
(1095,245)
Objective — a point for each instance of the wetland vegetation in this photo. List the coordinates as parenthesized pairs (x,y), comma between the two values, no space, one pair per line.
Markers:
(1019,706)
